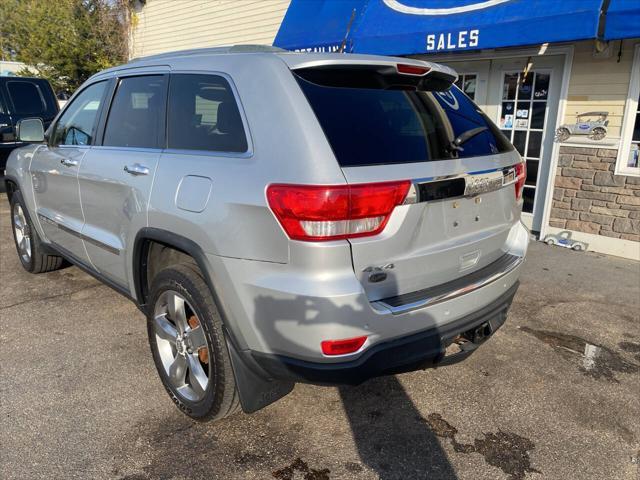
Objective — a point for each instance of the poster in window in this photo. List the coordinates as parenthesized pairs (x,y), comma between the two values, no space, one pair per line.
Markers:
(633,156)
(507,121)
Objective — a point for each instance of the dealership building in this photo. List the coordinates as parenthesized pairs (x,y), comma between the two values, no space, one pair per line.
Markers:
(560,78)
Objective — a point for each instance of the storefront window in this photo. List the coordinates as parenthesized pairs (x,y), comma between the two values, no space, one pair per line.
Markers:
(467,83)
(629,154)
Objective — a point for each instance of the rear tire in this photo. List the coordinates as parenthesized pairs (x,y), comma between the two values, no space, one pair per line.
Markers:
(30,249)
(188,344)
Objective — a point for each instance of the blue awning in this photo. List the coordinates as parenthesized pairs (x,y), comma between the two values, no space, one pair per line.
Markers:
(622,20)
(318,25)
(404,27)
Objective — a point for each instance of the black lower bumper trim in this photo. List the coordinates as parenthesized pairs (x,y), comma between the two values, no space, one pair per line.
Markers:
(414,352)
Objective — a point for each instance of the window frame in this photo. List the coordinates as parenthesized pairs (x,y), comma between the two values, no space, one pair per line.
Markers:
(111,95)
(211,153)
(96,129)
(631,108)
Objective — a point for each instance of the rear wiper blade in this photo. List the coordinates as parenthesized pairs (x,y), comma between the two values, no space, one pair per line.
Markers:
(464,137)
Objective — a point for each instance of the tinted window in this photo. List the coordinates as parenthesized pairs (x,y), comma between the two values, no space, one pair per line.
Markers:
(203,115)
(77,124)
(136,117)
(369,126)
(27,98)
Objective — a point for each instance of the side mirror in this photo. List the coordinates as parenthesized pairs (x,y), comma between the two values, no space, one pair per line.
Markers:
(30,130)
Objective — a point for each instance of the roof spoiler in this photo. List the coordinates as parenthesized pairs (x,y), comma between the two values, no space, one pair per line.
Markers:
(387,76)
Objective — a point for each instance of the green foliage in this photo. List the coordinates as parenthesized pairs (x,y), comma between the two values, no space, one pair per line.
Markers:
(64,41)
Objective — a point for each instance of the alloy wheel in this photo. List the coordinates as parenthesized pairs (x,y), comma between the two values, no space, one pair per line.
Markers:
(182,345)
(22,233)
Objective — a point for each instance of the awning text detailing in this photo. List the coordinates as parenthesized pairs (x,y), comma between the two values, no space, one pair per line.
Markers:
(452,41)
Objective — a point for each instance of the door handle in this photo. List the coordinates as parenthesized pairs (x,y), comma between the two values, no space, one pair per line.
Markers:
(69,163)
(136,169)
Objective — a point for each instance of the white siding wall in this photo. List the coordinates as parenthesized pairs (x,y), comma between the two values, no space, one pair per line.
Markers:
(166,25)
(600,84)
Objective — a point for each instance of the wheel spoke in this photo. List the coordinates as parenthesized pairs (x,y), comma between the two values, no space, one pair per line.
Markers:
(175,304)
(178,371)
(196,338)
(197,378)
(164,329)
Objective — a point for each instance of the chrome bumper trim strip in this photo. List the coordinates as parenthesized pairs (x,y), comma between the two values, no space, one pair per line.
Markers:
(450,290)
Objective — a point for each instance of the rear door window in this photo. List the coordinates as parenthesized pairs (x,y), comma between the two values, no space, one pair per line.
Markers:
(136,117)
(27,98)
(204,115)
(375,126)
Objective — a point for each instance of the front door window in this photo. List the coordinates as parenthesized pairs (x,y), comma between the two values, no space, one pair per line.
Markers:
(522,120)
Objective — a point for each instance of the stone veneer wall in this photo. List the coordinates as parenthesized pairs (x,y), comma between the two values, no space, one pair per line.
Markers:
(589,198)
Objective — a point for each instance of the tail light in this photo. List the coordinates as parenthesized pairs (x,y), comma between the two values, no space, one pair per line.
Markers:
(334,212)
(342,347)
(521,176)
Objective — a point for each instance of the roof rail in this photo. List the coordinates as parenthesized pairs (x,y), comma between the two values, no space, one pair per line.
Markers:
(212,51)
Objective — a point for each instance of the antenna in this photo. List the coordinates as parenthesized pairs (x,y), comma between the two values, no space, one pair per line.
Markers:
(346,35)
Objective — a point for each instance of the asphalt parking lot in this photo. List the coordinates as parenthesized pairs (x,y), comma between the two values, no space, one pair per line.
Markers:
(555,393)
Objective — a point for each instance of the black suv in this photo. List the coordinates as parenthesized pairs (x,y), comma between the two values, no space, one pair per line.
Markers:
(22,97)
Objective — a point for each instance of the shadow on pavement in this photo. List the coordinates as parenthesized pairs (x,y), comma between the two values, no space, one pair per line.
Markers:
(390,434)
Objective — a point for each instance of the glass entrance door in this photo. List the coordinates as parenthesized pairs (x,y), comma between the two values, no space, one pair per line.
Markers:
(522,98)
(523,115)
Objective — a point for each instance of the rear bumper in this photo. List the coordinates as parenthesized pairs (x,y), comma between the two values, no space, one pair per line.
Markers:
(448,291)
(425,349)
(287,310)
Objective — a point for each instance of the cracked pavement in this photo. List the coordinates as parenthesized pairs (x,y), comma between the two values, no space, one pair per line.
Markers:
(554,394)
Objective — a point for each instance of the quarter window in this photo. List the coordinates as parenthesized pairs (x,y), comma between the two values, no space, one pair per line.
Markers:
(204,115)
(77,124)
(27,98)
(136,118)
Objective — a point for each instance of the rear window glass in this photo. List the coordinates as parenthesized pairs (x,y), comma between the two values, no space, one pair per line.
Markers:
(367,126)
(136,118)
(204,115)
(26,98)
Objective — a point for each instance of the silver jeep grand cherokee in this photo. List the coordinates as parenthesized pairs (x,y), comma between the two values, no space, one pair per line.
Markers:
(279,217)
